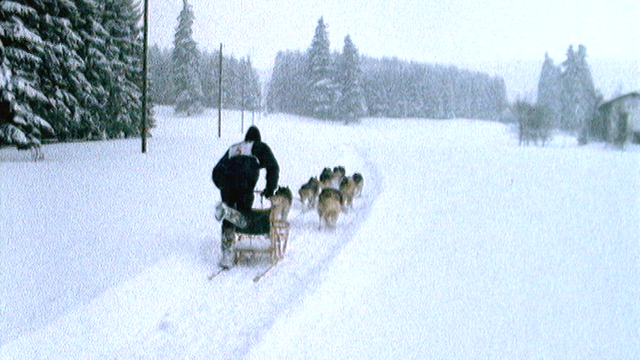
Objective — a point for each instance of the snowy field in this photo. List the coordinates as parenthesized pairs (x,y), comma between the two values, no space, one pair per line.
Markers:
(463,245)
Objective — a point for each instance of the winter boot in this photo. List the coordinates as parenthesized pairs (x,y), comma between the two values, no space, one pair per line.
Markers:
(230,214)
(219,211)
(227,260)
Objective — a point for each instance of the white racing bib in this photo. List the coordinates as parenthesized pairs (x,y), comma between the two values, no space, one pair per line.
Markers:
(244,148)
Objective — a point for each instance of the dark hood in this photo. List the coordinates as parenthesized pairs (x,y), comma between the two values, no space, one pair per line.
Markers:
(253,134)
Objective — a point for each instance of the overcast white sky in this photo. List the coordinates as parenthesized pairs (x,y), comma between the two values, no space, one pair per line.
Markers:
(462,33)
(422,30)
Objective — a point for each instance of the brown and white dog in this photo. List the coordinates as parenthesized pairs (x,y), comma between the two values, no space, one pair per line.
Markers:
(338,174)
(330,204)
(309,193)
(325,178)
(280,204)
(347,189)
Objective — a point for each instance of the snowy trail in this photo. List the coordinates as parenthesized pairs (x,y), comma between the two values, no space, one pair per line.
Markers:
(170,310)
(188,329)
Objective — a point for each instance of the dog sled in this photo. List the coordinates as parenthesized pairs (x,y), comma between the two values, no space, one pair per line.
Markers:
(266,235)
(263,235)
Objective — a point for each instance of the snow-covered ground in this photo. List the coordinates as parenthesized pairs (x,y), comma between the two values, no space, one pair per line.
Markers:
(463,245)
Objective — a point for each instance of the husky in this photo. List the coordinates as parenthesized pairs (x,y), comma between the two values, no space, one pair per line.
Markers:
(325,178)
(280,204)
(359,182)
(347,189)
(309,193)
(330,204)
(337,175)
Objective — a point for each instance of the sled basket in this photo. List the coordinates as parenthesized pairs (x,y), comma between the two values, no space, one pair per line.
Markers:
(262,236)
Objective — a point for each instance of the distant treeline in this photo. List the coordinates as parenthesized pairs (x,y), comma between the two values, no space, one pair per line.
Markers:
(240,80)
(396,88)
(327,85)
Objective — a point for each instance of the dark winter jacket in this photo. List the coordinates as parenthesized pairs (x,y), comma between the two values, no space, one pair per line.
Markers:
(237,172)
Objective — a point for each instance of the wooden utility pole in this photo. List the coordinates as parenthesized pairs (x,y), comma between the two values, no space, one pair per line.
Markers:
(219,94)
(242,106)
(144,76)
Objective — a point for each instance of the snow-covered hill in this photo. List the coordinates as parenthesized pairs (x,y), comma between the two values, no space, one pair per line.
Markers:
(463,245)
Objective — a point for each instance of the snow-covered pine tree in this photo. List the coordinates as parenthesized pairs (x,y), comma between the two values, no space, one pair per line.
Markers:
(121,20)
(287,91)
(550,90)
(578,95)
(351,104)
(231,89)
(7,120)
(160,82)
(97,68)
(23,49)
(587,96)
(322,88)
(209,73)
(186,58)
(569,92)
(76,64)
(251,81)
(5,74)
(61,72)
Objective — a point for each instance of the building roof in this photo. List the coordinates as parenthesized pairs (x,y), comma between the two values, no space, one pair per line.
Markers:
(633,94)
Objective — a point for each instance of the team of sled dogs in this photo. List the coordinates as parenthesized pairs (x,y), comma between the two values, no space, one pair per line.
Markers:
(331,193)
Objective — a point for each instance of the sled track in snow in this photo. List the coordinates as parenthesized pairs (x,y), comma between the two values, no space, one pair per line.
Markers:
(296,274)
(225,317)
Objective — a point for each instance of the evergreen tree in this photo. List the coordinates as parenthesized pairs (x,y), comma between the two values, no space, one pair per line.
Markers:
(390,87)
(287,91)
(351,104)
(61,72)
(76,64)
(124,54)
(395,88)
(209,73)
(186,58)
(550,90)
(97,68)
(5,74)
(11,132)
(159,80)
(250,86)
(239,77)
(23,49)
(578,95)
(231,89)
(322,89)
(587,98)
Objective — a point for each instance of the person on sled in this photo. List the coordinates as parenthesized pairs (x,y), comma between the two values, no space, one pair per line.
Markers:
(236,175)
